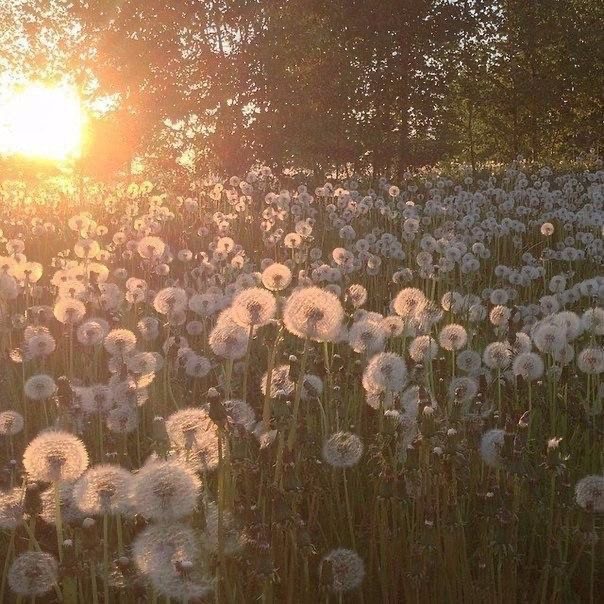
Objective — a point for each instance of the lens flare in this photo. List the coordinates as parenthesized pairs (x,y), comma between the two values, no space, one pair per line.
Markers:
(42,122)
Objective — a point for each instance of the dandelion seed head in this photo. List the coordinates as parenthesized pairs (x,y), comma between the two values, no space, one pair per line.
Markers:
(103,489)
(240,414)
(367,336)
(469,361)
(491,446)
(120,342)
(192,431)
(313,313)
(92,331)
(69,311)
(55,456)
(591,360)
(386,371)
(39,387)
(169,556)
(276,277)
(589,493)
(253,307)
(423,349)
(409,301)
(70,513)
(452,337)
(528,365)
(165,490)
(11,508)
(346,570)
(228,339)
(122,419)
(497,355)
(170,300)
(11,423)
(342,450)
(33,574)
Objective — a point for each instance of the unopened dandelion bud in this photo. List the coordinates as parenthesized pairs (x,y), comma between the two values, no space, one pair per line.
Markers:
(159,429)
(217,411)
(32,503)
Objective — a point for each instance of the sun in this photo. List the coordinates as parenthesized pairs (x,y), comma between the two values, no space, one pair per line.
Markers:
(42,122)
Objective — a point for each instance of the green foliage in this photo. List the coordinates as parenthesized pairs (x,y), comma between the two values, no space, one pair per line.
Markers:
(354,85)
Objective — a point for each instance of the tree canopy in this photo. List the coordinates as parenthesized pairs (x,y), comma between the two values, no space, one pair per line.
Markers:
(363,84)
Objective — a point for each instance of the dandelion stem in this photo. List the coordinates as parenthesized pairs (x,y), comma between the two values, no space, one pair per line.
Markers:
(58,518)
(106,557)
(291,439)
(9,551)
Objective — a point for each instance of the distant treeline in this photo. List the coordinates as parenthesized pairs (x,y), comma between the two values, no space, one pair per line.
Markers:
(373,85)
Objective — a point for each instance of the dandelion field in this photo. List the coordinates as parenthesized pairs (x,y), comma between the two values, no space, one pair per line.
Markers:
(248,390)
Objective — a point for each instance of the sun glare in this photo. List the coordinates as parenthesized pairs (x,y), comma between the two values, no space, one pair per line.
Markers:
(41,122)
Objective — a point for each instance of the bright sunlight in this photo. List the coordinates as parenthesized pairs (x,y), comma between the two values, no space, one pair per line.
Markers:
(41,121)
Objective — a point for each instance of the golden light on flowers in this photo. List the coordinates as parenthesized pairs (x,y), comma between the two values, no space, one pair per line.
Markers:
(42,122)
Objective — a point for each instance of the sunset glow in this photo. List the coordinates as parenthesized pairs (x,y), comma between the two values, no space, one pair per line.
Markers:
(41,122)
